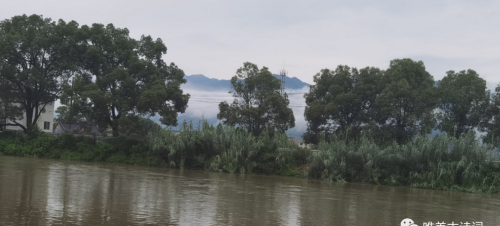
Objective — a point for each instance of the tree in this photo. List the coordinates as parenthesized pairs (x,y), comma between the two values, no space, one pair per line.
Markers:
(405,106)
(144,126)
(463,101)
(492,123)
(70,115)
(63,114)
(122,78)
(258,103)
(8,109)
(341,100)
(36,57)
(78,108)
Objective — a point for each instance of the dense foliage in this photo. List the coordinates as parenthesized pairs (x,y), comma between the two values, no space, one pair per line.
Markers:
(342,100)
(73,148)
(103,76)
(492,123)
(221,148)
(463,102)
(36,56)
(122,78)
(399,103)
(258,103)
(440,163)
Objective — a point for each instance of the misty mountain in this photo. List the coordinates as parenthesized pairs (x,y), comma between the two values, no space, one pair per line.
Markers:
(202,83)
(207,93)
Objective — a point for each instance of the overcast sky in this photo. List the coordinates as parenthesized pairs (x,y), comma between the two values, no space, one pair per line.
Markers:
(214,38)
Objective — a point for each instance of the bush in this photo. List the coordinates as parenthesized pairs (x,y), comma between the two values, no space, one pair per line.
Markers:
(442,162)
(221,148)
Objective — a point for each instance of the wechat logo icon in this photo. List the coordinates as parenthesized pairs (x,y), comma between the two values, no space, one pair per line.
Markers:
(408,222)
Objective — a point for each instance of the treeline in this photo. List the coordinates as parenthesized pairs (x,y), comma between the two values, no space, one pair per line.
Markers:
(104,77)
(99,72)
(399,103)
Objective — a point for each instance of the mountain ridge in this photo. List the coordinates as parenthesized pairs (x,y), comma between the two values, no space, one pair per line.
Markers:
(203,83)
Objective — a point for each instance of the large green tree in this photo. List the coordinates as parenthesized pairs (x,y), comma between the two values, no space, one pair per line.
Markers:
(36,57)
(463,102)
(9,110)
(258,102)
(341,99)
(492,123)
(122,78)
(406,104)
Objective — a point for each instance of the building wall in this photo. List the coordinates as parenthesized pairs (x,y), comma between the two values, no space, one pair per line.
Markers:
(47,116)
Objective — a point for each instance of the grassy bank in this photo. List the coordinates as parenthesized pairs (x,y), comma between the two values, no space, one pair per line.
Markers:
(221,149)
(71,147)
(439,163)
(443,163)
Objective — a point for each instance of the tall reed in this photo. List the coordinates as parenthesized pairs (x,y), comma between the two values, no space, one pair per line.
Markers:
(442,162)
(222,148)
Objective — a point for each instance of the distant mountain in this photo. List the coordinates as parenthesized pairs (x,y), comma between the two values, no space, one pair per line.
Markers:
(293,83)
(202,83)
(209,109)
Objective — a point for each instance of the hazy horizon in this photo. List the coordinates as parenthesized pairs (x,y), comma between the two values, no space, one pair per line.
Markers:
(214,38)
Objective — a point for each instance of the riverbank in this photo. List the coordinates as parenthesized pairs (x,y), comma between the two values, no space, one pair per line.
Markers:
(221,149)
(443,163)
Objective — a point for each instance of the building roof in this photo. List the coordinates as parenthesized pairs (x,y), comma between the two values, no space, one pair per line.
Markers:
(77,127)
(292,139)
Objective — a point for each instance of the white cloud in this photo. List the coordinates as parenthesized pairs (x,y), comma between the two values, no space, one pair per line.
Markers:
(214,38)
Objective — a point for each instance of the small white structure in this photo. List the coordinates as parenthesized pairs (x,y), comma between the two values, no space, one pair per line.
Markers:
(44,121)
(303,144)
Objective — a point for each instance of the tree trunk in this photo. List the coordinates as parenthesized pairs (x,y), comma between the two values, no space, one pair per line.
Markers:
(114,127)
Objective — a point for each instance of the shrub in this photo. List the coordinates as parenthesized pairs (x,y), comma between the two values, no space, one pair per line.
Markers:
(442,162)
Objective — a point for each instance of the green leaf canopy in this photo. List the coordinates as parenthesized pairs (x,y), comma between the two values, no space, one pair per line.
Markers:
(463,101)
(258,102)
(406,104)
(36,56)
(122,78)
(341,99)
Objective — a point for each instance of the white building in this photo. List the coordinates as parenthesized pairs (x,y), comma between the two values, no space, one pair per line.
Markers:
(45,121)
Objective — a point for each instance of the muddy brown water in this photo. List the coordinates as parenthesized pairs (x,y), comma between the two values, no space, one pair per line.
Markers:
(54,192)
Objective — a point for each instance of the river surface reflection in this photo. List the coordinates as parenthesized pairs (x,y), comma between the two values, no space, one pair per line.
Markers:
(53,192)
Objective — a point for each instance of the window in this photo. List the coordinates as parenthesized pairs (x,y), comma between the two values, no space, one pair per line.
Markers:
(46,125)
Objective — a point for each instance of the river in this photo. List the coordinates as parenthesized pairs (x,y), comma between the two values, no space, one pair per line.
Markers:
(55,192)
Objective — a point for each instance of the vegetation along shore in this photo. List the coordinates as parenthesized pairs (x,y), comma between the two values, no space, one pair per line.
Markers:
(367,125)
(443,162)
